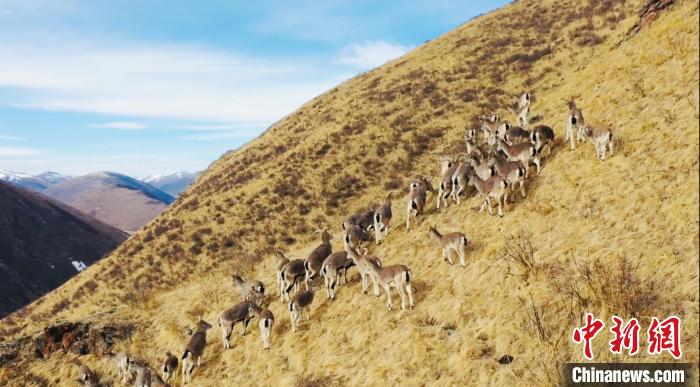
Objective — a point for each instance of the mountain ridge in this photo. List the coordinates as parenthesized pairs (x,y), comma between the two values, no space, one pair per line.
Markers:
(114,198)
(36,255)
(342,152)
(174,183)
(38,182)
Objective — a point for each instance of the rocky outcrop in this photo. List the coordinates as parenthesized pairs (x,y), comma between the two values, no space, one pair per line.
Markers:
(80,338)
(649,12)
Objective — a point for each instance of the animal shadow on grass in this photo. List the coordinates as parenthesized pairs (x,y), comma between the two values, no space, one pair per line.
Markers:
(557,146)
(318,309)
(536,119)
(420,290)
(353,278)
(620,146)
(320,305)
(217,351)
(473,249)
(284,327)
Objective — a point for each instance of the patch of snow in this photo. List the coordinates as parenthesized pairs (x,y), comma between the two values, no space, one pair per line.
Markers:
(79,265)
(13,176)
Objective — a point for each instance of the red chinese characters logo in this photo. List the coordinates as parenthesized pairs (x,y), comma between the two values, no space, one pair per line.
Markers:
(586,333)
(665,336)
(662,336)
(626,336)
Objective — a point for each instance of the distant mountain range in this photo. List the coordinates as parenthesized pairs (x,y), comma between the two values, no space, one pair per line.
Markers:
(52,177)
(53,226)
(33,182)
(43,243)
(116,199)
(174,183)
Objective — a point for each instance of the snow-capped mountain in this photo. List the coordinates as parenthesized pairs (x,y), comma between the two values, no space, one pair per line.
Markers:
(116,199)
(38,182)
(52,177)
(174,183)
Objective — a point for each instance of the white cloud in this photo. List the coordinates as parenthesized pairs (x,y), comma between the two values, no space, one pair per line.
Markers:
(370,54)
(146,80)
(124,125)
(14,151)
(10,138)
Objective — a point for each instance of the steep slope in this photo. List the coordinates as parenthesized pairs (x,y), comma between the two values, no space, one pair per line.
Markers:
(116,199)
(40,239)
(173,184)
(613,237)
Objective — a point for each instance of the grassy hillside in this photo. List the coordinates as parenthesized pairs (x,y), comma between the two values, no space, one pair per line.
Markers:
(613,237)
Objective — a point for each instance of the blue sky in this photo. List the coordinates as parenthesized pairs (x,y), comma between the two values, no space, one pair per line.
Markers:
(152,87)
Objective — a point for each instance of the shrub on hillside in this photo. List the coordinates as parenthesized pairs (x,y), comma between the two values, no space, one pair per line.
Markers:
(228,242)
(525,61)
(345,187)
(467,95)
(289,187)
(519,255)
(148,237)
(416,145)
(616,286)
(196,249)
(589,39)
(60,306)
(323,150)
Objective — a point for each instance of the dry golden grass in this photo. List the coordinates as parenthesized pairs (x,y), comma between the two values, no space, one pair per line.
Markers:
(640,205)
